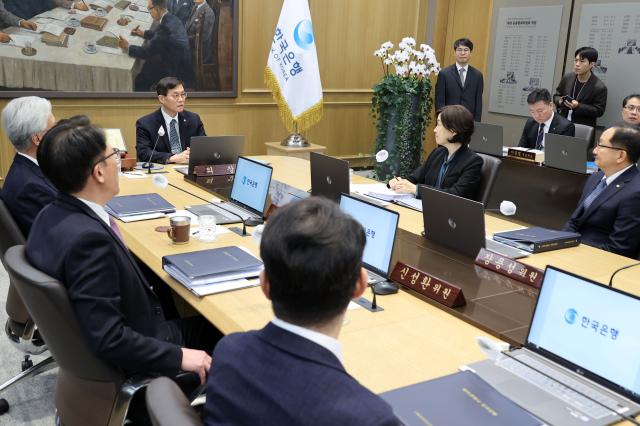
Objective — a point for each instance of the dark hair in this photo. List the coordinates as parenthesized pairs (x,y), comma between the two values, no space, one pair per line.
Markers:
(68,153)
(159,3)
(538,95)
(627,98)
(312,255)
(166,84)
(76,120)
(463,42)
(588,53)
(627,137)
(459,120)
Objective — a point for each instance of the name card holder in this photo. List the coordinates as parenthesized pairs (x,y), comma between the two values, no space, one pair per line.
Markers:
(523,154)
(510,268)
(214,170)
(426,284)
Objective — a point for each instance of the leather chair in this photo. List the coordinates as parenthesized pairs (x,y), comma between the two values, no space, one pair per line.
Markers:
(20,328)
(167,405)
(88,391)
(587,133)
(490,168)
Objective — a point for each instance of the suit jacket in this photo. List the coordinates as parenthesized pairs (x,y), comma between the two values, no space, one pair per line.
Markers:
(26,191)
(275,377)
(592,99)
(202,19)
(7,19)
(189,124)
(166,53)
(463,177)
(449,90)
(612,221)
(181,8)
(559,126)
(118,312)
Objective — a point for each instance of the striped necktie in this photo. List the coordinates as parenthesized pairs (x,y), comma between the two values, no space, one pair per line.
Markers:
(540,137)
(176,148)
(594,194)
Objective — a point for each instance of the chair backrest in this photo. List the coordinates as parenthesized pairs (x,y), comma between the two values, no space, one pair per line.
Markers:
(587,133)
(11,235)
(490,168)
(168,406)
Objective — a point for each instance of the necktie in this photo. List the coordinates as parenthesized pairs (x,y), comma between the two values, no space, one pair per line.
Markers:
(540,137)
(176,148)
(594,194)
(462,76)
(114,228)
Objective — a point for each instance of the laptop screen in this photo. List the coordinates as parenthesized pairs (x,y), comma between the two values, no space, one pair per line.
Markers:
(251,183)
(589,325)
(380,227)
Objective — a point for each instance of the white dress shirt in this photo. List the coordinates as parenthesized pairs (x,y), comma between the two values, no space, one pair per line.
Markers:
(466,70)
(327,342)
(97,209)
(547,125)
(615,176)
(35,161)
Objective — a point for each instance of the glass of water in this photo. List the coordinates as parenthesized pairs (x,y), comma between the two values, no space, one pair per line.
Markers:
(206,228)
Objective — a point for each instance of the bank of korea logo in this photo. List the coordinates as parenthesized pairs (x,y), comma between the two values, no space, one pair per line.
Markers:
(303,34)
(570,316)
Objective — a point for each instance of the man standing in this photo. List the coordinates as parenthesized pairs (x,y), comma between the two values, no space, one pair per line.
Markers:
(167,51)
(181,8)
(291,372)
(608,214)
(581,97)
(543,121)
(460,83)
(179,126)
(26,190)
(201,22)
(631,109)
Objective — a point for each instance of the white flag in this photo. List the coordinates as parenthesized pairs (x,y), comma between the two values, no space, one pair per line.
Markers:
(292,71)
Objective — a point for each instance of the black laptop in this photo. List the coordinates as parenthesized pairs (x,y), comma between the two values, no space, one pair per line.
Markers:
(329,176)
(487,139)
(212,150)
(566,153)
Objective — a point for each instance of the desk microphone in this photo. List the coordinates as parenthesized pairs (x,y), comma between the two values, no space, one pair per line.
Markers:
(162,182)
(149,165)
(620,269)
(507,208)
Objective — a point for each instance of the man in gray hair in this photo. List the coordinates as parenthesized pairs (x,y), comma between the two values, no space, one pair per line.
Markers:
(26,190)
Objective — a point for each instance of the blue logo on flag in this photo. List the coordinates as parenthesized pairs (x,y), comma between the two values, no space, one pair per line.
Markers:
(303,34)
(570,316)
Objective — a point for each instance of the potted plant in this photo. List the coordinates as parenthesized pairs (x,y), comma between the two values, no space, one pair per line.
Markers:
(401,106)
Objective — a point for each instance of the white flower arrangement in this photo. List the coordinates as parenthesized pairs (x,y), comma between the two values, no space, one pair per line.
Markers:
(407,61)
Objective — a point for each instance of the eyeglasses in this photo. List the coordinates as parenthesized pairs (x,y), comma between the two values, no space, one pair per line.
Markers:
(599,145)
(463,50)
(115,152)
(632,108)
(178,96)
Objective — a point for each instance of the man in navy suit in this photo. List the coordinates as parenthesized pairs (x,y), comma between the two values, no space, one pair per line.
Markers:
(181,8)
(75,241)
(179,126)
(290,372)
(543,120)
(26,190)
(460,83)
(608,214)
(166,52)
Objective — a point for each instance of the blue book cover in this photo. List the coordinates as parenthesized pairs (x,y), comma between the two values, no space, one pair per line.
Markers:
(128,205)
(537,239)
(459,399)
(213,262)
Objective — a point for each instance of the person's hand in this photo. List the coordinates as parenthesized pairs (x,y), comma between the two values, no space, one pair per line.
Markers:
(182,158)
(4,37)
(28,25)
(573,104)
(402,186)
(137,32)
(80,5)
(196,361)
(123,43)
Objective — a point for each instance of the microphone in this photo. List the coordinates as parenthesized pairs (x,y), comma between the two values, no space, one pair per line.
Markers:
(161,181)
(374,305)
(507,208)
(149,165)
(621,269)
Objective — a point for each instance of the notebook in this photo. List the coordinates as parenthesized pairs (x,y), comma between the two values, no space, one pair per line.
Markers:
(130,205)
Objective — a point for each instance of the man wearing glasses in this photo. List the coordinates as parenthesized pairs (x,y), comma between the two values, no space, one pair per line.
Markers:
(631,109)
(178,124)
(460,83)
(608,214)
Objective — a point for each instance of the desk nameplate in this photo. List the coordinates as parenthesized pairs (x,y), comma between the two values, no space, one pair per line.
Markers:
(428,285)
(511,268)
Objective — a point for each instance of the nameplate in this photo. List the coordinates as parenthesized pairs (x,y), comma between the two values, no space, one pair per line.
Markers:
(536,157)
(214,170)
(428,285)
(508,267)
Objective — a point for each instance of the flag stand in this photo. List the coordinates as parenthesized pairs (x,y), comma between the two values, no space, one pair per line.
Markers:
(295,139)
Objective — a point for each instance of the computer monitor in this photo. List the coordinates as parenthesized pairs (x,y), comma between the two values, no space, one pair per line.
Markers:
(329,176)
(251,184)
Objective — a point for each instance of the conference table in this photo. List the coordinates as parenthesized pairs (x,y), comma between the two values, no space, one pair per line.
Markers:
(413,339)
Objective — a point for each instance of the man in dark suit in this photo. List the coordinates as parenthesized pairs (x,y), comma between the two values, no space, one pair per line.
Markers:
(460,83)
(179,126)
(290,372)
(543,121)
(202,21)
(581,97)
(166,52)
(26,190)
(608,214)
(181,8)
(75,241)
(631,109)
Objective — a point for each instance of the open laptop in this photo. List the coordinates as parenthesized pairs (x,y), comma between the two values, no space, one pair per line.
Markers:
(210,150)
(380,227)
(487,139)
(248,194)
(583,337)
(566,153)
(458,223)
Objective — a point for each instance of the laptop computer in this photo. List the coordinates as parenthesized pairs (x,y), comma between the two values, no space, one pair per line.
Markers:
(248,194)
(583,337)
(209,150)
(458,223)
(487,139)
(380,227)
(566,153)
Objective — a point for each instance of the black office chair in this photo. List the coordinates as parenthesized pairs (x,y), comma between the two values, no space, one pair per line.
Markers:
(587,133)
(19,328)
(490,168)
(167,405)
